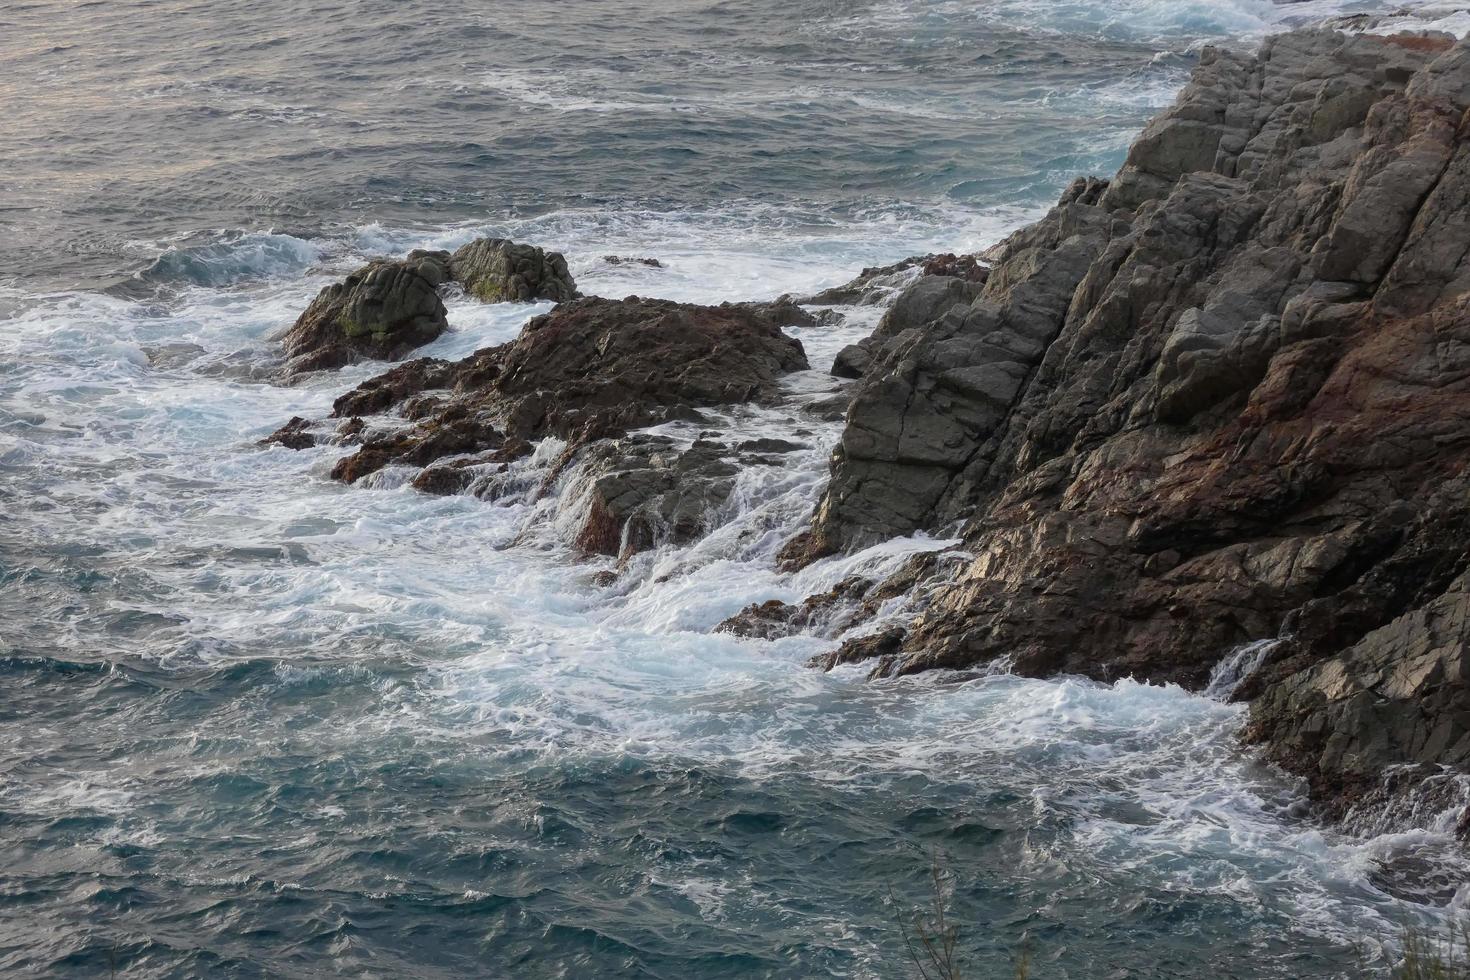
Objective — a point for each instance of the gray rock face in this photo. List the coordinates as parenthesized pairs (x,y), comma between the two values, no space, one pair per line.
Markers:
(1399,695)
(923,301)
(1217,398)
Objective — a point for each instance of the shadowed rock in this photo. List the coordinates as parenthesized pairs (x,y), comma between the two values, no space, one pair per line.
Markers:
(923,301)
(774,619)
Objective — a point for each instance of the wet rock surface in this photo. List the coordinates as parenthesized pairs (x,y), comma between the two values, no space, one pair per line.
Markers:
(1400,695)
(646,490)
(1222,397)
(873,286)
(632,260)
(773,619)
(596,368)
(920,303)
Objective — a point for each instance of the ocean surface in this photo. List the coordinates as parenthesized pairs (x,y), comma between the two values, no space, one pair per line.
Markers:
(257,724)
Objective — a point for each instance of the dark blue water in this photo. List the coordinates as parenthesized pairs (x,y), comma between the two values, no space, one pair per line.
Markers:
(256,724)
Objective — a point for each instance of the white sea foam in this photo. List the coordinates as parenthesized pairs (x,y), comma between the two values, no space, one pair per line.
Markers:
(1451,18)
(1230,672)
(737,251)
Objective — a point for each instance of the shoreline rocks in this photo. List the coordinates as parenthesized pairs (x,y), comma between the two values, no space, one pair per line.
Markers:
(1220,398)
(497,270)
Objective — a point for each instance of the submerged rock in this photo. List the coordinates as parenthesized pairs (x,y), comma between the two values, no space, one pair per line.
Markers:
(774,619)
(632,260)
(1223,396)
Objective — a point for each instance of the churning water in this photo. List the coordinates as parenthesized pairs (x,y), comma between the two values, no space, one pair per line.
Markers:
(254,723)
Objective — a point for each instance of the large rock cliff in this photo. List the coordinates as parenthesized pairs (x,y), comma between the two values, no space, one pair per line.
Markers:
(1223,397)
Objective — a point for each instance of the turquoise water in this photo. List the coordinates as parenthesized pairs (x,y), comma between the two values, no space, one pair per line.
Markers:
(253,723)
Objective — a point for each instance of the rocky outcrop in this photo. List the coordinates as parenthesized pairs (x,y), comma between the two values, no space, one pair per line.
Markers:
(598,367)
(818,613)
(589,373)
(1222,397)
(497,270)
(387,308)
(646,490)
(383,311)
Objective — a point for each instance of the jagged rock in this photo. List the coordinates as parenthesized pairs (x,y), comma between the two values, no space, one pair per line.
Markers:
(497,270)
(1224,395)
(966,267)
(643,491)
(871,287)
(883,646)
(852,361)
(769,620)
(774,619)
(383,310)
(295,434)
(782,312)
(588,372)
(453,434)
(1400,695)
(394,387)
(881,284)
(592,368)
(922,302)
